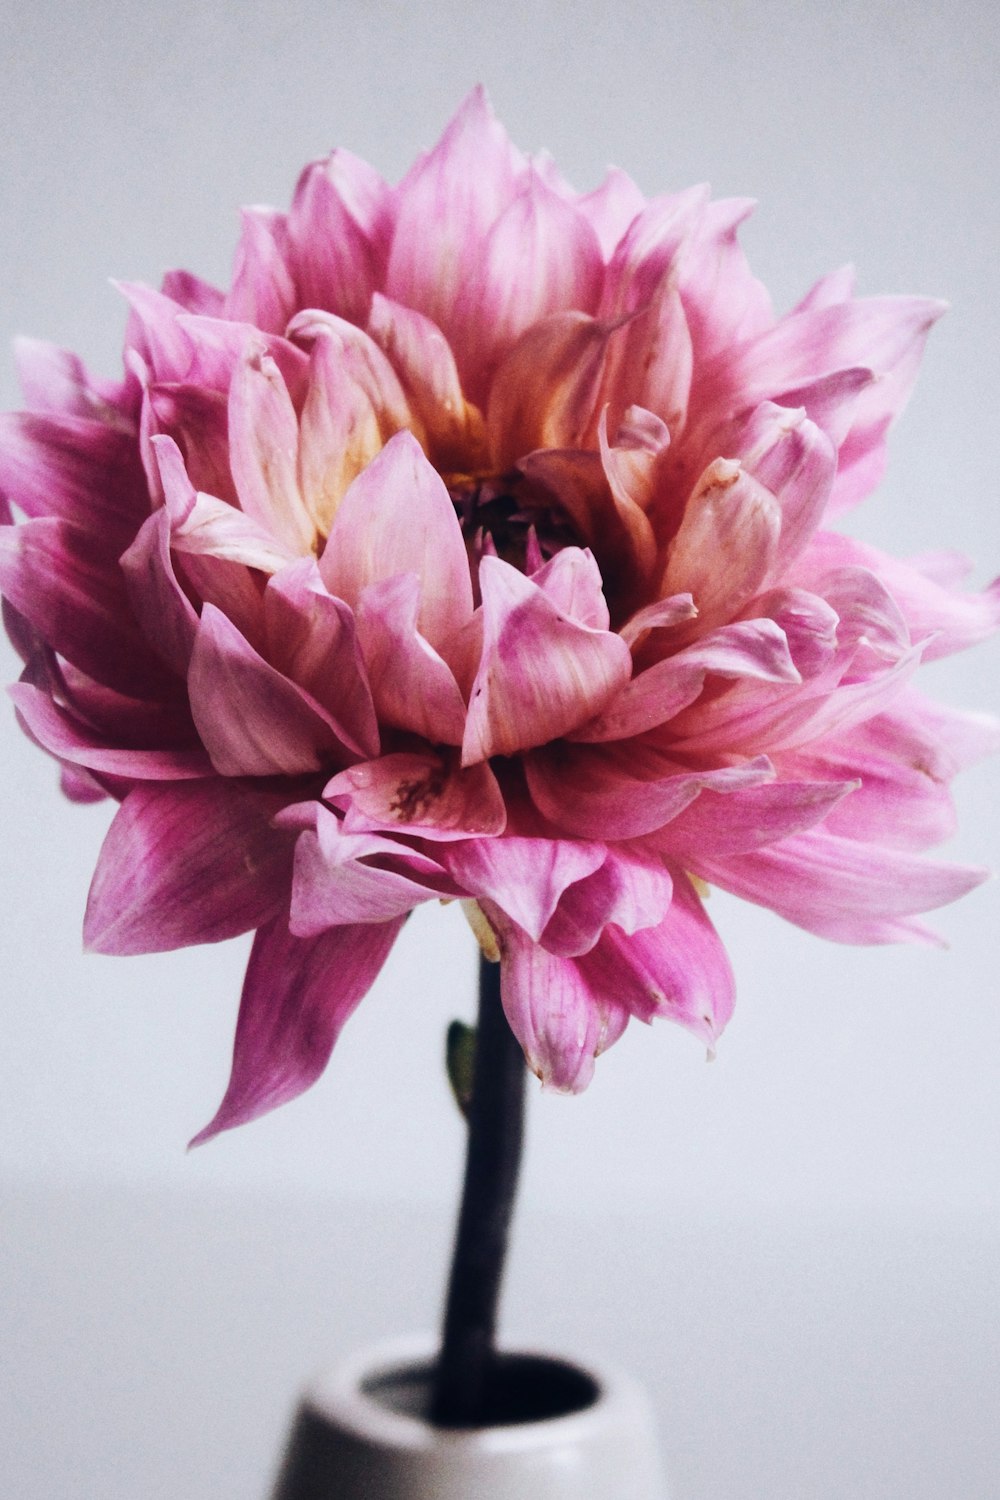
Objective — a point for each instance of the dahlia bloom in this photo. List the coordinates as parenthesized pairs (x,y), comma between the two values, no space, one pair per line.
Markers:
(474,546)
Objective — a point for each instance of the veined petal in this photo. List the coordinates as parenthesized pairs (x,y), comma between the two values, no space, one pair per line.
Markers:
(263,444)
(297,995)
(727,542)
(187,862)
(541,673)
(630,890)
(425,793)
(752,817)
(66,737)
(526,877)
(561,1023)
(412,685)
(368,545)
(252,720)
(839,888)
(337,226)
(611,207)
(796,462)
(73,468)
(545,392)
(677,969)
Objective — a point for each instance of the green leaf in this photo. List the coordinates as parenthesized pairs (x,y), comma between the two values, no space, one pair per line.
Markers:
(460,1059)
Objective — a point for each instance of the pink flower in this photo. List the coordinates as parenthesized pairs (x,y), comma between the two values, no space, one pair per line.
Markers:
(474,545)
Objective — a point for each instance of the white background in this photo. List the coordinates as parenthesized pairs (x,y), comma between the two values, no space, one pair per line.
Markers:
(822,1200)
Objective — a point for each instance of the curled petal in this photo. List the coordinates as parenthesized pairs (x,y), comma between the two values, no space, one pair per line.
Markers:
(726,544)
(64,736)
(629,891)
(297,995)
(541,673)
(412,685)
(526,877)
(423,793)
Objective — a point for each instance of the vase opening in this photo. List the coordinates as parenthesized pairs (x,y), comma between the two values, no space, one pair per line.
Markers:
(521,1388)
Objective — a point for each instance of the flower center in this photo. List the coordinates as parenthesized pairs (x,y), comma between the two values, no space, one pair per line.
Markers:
(507,509)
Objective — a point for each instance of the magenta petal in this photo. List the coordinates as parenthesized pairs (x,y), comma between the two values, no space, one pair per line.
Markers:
(59,732)
(423,793)
(254,721)
(630,890)
(263,291)
(412,686)
(561,1022)
(367,543)
(297,995)
(541,673)
(187,862)
(677,969)
(750,818)
(74,468)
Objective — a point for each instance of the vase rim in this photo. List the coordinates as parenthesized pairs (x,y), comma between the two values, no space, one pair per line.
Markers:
(339,1395)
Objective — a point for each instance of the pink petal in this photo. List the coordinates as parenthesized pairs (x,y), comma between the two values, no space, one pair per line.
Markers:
(263,291)
(545,393)
(367,543)
(336,225)
(297,995)
(541,673)
(78,470)
(186,862)
(252,720)
(345,877)
(55,382)
(611,208)
(796,461)
(412,686)
(312,639)
(64,736)
(420,793)
(678,969)
(630,890)
(727,542)
(572,581)
(559,1021)
(445,208)
(525,877)
(263,444)
(193,294)
(751,818)
(61,579)
(198,421)
(622,792)
(850,892)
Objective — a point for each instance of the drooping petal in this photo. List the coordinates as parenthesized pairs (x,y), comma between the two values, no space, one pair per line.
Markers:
(541,673)
(297,995)
(187,862)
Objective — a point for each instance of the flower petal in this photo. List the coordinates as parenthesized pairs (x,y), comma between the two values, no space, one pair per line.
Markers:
(65,736)
(420,793)
(186,862)
(297,995)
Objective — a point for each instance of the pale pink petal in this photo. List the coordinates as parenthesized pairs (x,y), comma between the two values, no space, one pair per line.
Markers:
(367,543)
(796,461)
(678,969)
(155,331)
(297,995)
(751,818)
(541,673)
(445,208)
(425,793)
(263,446)
(663,614)
(412,686)
(838,888)
(336,225)
(572,581)
(57,383)
(727,542)
(525,877)
(187,862)
(611,208)
(253,720)
(263,292)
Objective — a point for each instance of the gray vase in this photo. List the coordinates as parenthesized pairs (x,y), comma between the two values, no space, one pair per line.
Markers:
(568,1432)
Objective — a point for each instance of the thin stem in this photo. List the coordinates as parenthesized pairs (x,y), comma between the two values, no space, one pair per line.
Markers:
(493,1157)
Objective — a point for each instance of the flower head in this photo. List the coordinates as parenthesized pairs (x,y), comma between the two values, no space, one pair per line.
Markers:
(474,545)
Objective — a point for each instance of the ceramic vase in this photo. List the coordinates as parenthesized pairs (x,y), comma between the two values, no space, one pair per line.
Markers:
(562,1431)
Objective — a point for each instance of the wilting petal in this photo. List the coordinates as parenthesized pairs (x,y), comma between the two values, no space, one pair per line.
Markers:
(186,862)
(420,793)
(368,544)
(252,720)
(541,673)
(297,995)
